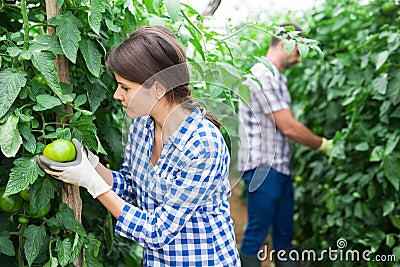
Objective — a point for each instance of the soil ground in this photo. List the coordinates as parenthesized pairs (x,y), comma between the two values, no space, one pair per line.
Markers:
(239,217)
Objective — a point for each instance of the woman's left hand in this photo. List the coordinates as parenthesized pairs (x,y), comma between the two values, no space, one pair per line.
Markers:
(79,172)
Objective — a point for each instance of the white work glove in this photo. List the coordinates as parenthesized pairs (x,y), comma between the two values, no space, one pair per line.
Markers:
(326,146)
(80,172)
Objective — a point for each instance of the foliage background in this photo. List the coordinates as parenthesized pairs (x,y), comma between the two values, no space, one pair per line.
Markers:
(352,96)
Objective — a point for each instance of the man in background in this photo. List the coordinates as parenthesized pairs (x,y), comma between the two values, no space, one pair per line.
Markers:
(266,127)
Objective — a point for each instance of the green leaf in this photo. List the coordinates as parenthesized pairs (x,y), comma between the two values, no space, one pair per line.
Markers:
(63,133)
(34,240)
(390,241)
(68,32)
(6,245)
(29,140)
(96,93)
(10,138)
(381,59)
(131,7)
(108,232)
(395,219)
(391,167)
(24,173)
(244,94)
(396,252)
(65,218)
(157,21)
(91,251)
(289,45)
(173,8)
(303,50)
(377,154)
(388,207)
(96,17)
(43,190)
(380,83)
(77,246)
(45,42)
(85,130)
(195,42)
(44,102)
(44,62)
(92,56)
(59,3)
(391,144)
(64,250)
(11,82)
(13,51)
(215,90)
(53,262)
(363,146)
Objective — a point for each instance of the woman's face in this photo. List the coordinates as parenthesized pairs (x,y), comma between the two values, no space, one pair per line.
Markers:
(135,98)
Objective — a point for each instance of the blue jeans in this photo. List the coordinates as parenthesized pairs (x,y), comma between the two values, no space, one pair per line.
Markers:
(271,203)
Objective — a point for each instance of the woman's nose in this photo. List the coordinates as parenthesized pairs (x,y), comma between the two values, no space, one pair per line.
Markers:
(118,95)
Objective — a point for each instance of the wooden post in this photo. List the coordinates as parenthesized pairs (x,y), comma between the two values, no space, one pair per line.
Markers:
(70,193)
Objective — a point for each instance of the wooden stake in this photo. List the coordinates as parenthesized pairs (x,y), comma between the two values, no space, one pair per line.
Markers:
(70,193)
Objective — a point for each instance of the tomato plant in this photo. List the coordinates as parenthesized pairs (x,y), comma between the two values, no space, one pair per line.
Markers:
(354,94)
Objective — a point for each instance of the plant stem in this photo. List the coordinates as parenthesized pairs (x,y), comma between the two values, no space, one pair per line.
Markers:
(21,246)
(24,13)
(40,25)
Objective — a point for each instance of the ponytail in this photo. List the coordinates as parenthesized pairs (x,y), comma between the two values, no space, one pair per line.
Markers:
(190,104)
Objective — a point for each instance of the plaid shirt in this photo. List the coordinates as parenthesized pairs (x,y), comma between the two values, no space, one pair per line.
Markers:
(182,215)
(260,141)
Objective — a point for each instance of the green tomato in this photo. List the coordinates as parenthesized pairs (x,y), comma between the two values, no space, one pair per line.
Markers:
(388,7)
(298,179)
(25,195)
(30,213)
(11,204)
(60,150)
(23,219)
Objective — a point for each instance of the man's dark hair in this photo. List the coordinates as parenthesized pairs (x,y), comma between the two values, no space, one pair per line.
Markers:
(274,40)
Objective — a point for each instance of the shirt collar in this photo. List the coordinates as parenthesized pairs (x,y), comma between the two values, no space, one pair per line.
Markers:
(277,73)
(181,136)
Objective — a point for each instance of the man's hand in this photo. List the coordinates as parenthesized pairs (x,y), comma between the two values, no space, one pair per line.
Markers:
(326,146)
(80,172)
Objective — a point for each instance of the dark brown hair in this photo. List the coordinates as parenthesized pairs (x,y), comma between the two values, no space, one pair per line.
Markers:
(275,40)
(151,54)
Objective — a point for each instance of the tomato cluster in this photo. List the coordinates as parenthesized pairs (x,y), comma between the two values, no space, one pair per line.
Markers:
(15,203)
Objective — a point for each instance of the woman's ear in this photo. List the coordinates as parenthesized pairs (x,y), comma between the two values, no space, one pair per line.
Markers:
(159,90)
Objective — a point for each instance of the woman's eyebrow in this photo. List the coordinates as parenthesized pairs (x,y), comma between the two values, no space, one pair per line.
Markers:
(121,83)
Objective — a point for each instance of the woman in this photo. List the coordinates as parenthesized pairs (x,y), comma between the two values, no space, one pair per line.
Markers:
(176,161)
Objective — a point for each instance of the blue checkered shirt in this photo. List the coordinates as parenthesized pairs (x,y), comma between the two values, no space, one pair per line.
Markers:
(181,213)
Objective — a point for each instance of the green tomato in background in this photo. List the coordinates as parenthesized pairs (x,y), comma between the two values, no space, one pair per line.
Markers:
(298,179)
(25,195)
(30,213)
(11,204)
(388,7)
(23,219)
